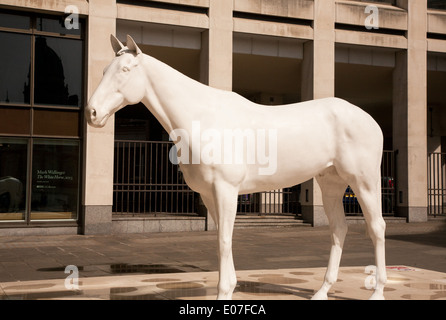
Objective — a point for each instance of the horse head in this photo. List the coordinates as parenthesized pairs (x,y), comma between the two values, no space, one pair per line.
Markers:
(122,84)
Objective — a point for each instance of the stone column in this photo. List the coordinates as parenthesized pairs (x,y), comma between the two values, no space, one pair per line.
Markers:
(217,44)
(97,197)
(410,115)
(318,81)
(216,53)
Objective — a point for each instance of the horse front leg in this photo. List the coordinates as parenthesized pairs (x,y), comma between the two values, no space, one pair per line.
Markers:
(225,198)
(210,205)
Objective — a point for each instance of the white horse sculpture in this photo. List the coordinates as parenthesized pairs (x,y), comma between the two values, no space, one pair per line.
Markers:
(329,139)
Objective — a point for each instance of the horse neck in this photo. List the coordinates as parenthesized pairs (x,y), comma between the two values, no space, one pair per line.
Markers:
(173,98)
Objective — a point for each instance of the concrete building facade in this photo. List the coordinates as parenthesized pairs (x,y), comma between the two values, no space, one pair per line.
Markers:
(388,57)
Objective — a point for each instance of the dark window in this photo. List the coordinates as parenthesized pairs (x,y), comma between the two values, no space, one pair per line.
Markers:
(55,179)
(59,25)
(15,61)
(13,169)
(436,4)
(15,21)
(137,123)
(58,71)
(41,93)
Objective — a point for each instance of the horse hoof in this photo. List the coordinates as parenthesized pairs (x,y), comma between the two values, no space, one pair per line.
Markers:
(320,296)
(377,296)
(224,297)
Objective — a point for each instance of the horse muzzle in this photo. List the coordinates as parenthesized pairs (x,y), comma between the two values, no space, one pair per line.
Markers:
(94,119)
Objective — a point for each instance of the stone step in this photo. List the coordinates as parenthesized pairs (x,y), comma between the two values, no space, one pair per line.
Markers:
(268,221)
(361,220)
(272,221)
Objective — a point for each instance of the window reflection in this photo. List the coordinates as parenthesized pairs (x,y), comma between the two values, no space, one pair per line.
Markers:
(58,71)
(15,60)
(40,76)
(55,178)
(57,25)
(13,164)
(436,4)
(15,21)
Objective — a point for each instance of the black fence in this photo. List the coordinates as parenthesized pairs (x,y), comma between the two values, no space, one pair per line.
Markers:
(146,182)
(388,187)
(276,202)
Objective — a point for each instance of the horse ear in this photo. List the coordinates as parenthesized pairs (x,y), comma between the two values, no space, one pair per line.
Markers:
(131,44)
(116,44)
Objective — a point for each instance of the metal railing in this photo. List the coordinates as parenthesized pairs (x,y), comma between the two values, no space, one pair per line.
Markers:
(145,181)
(276,202)
(388,187)
(436,177)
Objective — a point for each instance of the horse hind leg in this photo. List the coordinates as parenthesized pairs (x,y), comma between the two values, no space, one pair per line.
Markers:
(333,188)
(368,191)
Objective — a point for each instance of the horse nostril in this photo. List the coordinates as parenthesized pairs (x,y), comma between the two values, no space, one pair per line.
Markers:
(93,113)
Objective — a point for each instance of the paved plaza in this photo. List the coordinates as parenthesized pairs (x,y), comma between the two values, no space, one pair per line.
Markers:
(271,263)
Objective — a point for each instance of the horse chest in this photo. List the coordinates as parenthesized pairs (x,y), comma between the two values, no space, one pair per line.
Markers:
(201,178)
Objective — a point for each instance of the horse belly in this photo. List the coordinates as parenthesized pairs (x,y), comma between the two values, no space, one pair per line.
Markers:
(285,177)
(295,163)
